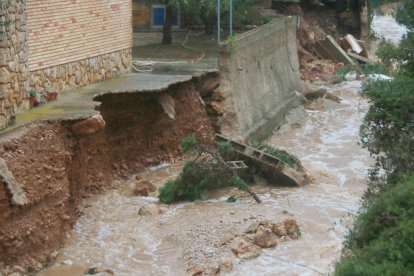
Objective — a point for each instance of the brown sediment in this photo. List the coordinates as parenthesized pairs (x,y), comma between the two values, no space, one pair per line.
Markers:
(58,168)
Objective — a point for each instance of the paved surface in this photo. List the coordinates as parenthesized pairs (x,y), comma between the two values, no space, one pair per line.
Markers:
(175,67)
(159,66)
(78,103)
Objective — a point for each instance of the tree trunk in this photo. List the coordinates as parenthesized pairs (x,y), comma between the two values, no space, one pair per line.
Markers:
(208,24)
(166,35)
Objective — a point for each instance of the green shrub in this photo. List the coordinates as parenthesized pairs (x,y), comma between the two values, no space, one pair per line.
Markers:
(382,241)
(284,156)
(363,69)
(207,172)
(388,127)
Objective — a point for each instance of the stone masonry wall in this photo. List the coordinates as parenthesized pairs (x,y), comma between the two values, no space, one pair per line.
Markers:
(52,45)
(74,43)
(13,59)
(78,73)
(259,74)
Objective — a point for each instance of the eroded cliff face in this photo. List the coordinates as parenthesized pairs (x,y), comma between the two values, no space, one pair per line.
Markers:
(60,163)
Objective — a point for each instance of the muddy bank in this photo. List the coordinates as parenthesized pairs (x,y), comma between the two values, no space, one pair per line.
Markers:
(198,235)
(60,163)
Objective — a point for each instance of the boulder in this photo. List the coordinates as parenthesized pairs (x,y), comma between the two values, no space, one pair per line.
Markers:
(92,125)
(226,264)
(313,92)
(195,271)
(143,187)
(216,106)
(252,228)
(264,238)
(150,210)
(279,229)
(212,270)
(292,228)
(244,249)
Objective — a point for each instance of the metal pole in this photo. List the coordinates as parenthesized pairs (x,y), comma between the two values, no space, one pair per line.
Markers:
(218,22)
(231,17)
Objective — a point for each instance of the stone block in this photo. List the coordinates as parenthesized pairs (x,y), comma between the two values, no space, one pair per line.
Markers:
(4,57)
(3,91)
(5,76)
(4,41)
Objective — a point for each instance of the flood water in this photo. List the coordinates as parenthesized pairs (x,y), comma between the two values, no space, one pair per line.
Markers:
(385,26)
(111,234)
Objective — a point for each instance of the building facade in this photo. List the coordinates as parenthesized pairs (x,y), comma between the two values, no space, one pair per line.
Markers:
(50,46)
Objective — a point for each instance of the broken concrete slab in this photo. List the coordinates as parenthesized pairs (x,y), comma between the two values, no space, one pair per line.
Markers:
(313,92)
(360,58)
(328,48)
(268,165)
(18,196)
(136,83)
(353,44)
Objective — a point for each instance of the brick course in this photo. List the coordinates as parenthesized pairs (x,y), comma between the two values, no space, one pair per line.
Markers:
(63,31)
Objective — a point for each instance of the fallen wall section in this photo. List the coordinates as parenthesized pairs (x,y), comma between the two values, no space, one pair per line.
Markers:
(259,74)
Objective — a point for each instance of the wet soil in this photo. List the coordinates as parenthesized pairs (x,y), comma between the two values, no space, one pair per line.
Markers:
(111,234)
(59,168)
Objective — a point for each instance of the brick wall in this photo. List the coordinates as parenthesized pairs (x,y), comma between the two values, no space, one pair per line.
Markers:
(77,42)
(141,14)
(63,31)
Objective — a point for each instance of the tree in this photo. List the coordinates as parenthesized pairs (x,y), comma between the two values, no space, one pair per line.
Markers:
(205,11)
(169,16)
(381,241)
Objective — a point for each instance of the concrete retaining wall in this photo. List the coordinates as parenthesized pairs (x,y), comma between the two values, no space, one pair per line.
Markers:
(259,74)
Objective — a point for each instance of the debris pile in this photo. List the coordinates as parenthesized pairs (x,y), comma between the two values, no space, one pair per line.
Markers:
(248,244)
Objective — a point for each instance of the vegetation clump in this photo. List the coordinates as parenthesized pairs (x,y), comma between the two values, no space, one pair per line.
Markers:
(365,69)
(284,156)
(208,171)
(382,239)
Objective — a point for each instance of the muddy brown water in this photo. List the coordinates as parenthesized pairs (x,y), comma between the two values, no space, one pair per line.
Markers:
(111,234)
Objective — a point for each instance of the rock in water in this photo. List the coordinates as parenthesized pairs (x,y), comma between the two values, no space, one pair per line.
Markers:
(143,187)
(244,249)
(292,228)
(195,271)
(279,229)
(264,238)
(226,264)
(150,210)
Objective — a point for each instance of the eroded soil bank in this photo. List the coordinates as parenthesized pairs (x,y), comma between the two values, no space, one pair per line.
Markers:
(111,233)
(61,163)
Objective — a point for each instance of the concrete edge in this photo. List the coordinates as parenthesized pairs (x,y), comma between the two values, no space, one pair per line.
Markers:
(263,128)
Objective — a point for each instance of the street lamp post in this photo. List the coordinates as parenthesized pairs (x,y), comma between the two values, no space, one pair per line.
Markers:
(231,17)
(218,22)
